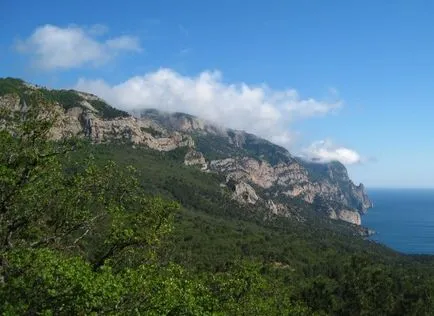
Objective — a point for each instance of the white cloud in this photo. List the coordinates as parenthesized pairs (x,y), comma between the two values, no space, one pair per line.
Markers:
(53,47)
(256,109)
(326,151)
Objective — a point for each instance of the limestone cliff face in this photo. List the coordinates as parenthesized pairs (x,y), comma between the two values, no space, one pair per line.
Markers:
(195,158)
(244,193)
(294,180)
(77,121)
(361,197)
(128,129)
(247,161)
(335,174)
(346,215)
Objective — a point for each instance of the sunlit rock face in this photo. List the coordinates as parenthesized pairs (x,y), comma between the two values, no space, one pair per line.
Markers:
(349,216)
(195,158)
(293,180)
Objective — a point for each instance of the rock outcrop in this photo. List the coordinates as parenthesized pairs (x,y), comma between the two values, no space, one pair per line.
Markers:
(293,180)
(195,158)
(277,208)
(127,129)
(349,216)
(244,193)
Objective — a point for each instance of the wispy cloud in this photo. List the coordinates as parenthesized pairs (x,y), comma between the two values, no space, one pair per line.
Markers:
(326,151)
(52,47)
(257,109)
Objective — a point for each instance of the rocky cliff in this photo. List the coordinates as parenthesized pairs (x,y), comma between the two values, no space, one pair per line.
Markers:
(248,159)
(83,120)
(256,170)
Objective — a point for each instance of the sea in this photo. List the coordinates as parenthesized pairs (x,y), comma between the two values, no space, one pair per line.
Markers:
(403,219)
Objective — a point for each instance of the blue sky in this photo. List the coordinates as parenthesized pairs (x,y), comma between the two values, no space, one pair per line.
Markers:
(351,80)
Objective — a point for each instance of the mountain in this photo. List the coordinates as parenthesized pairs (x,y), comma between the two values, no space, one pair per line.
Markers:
(258,172)
(240,225)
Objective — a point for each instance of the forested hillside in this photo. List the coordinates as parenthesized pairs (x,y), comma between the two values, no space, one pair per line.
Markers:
(118,228)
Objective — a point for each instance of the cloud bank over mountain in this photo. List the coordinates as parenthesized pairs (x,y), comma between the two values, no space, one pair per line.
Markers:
(326,151)
(256,109)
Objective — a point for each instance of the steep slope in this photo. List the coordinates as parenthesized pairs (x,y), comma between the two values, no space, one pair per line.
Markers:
(252,161)
(255,170)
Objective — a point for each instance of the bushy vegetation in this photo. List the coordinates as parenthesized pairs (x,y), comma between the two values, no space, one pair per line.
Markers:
(218,147)
(92,229)
(11,85)
(151,131)
(107,111)
(265,150)
(80,235)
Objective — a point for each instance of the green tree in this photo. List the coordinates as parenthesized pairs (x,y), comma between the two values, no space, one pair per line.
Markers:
(75,236)
(48,201)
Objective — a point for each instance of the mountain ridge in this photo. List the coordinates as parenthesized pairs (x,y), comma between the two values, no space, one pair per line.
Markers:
(257,170)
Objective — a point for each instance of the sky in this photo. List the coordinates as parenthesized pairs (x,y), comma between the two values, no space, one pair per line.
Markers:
(331,80)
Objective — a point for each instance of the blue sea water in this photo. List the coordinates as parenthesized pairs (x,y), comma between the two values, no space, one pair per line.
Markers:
(403,219)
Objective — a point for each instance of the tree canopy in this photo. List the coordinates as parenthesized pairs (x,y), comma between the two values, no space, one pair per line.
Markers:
(88,229)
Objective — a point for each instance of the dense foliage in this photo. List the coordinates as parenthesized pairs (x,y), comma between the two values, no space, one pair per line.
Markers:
(91,229)
(107,111)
